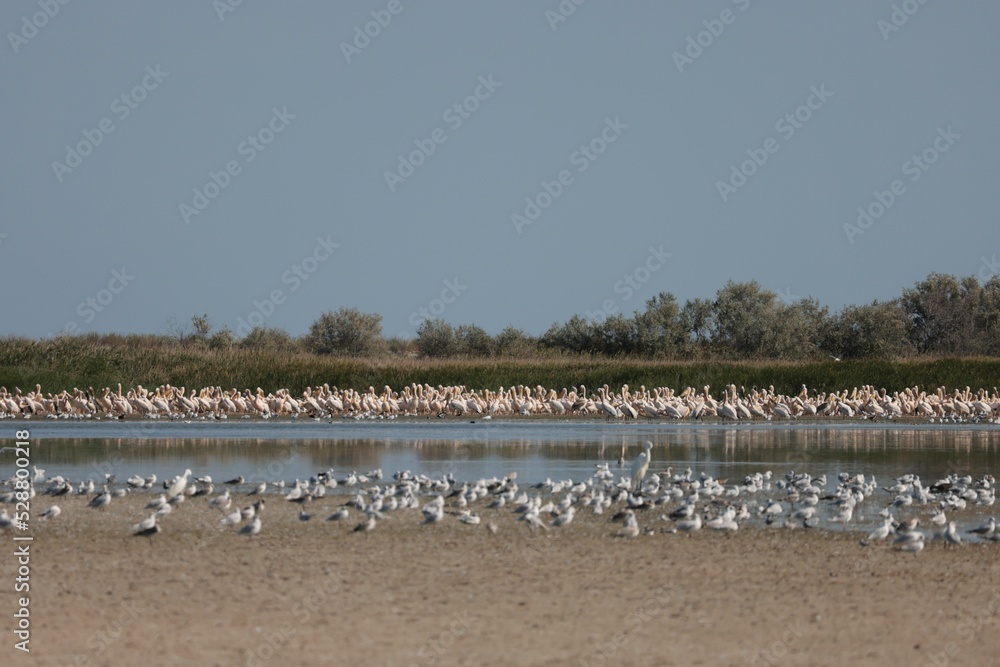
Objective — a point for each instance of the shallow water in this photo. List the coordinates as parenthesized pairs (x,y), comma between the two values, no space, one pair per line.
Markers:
(535,450)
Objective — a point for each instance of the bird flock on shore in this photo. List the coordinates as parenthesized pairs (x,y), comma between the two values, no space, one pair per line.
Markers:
(416,400)
(632,501)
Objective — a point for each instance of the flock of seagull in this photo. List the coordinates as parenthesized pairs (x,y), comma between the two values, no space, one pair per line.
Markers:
(667,502)
(661,403)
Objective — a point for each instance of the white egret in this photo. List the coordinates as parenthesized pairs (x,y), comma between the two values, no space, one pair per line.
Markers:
(640,465)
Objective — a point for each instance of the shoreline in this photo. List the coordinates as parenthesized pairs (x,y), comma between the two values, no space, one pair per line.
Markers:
(460,595)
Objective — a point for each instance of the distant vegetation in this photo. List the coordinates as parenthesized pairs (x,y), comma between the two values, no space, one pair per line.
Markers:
(945,328)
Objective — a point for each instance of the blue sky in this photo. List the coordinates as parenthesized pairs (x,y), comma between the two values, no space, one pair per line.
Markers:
(265,162)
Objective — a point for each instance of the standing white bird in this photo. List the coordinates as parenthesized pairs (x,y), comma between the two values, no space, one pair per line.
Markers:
(640,465)
(177,488)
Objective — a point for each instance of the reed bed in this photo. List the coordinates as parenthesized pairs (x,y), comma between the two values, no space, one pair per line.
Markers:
(83,362)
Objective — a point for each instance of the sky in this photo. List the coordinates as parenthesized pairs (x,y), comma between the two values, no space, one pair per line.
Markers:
(495,163)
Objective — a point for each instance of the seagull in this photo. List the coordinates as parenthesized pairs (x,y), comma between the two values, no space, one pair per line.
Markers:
(688,525)
(100,501)
(146,528)
(631,528)
(259,489)
(235,480)
(232,519)
(157,503)
(565,518)
(469,519)
(50,513)
(986,529)
(339,515)
(251,528)
(366,526)
(221,502)
(304,516)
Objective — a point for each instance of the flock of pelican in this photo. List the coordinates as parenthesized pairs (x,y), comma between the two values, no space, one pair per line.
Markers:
(415,400)
(631,500)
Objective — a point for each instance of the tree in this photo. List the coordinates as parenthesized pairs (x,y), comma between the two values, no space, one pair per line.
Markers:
(436,338)
(514,342)
(473,341)
(347,331)
(575,335)
(659,330)
(617,336)
(201,326)
(744,316)
(942,312)
(265,338)
(876,330)
(222,339)
(697,317)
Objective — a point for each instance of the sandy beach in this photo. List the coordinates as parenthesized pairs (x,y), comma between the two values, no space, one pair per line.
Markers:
(450,594)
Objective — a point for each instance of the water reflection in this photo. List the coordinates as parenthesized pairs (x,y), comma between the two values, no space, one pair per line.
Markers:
(532,449)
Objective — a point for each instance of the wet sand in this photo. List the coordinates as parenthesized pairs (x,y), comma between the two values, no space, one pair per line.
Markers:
(450,594)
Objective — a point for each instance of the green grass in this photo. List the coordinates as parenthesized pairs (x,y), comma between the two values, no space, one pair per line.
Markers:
(87,361)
